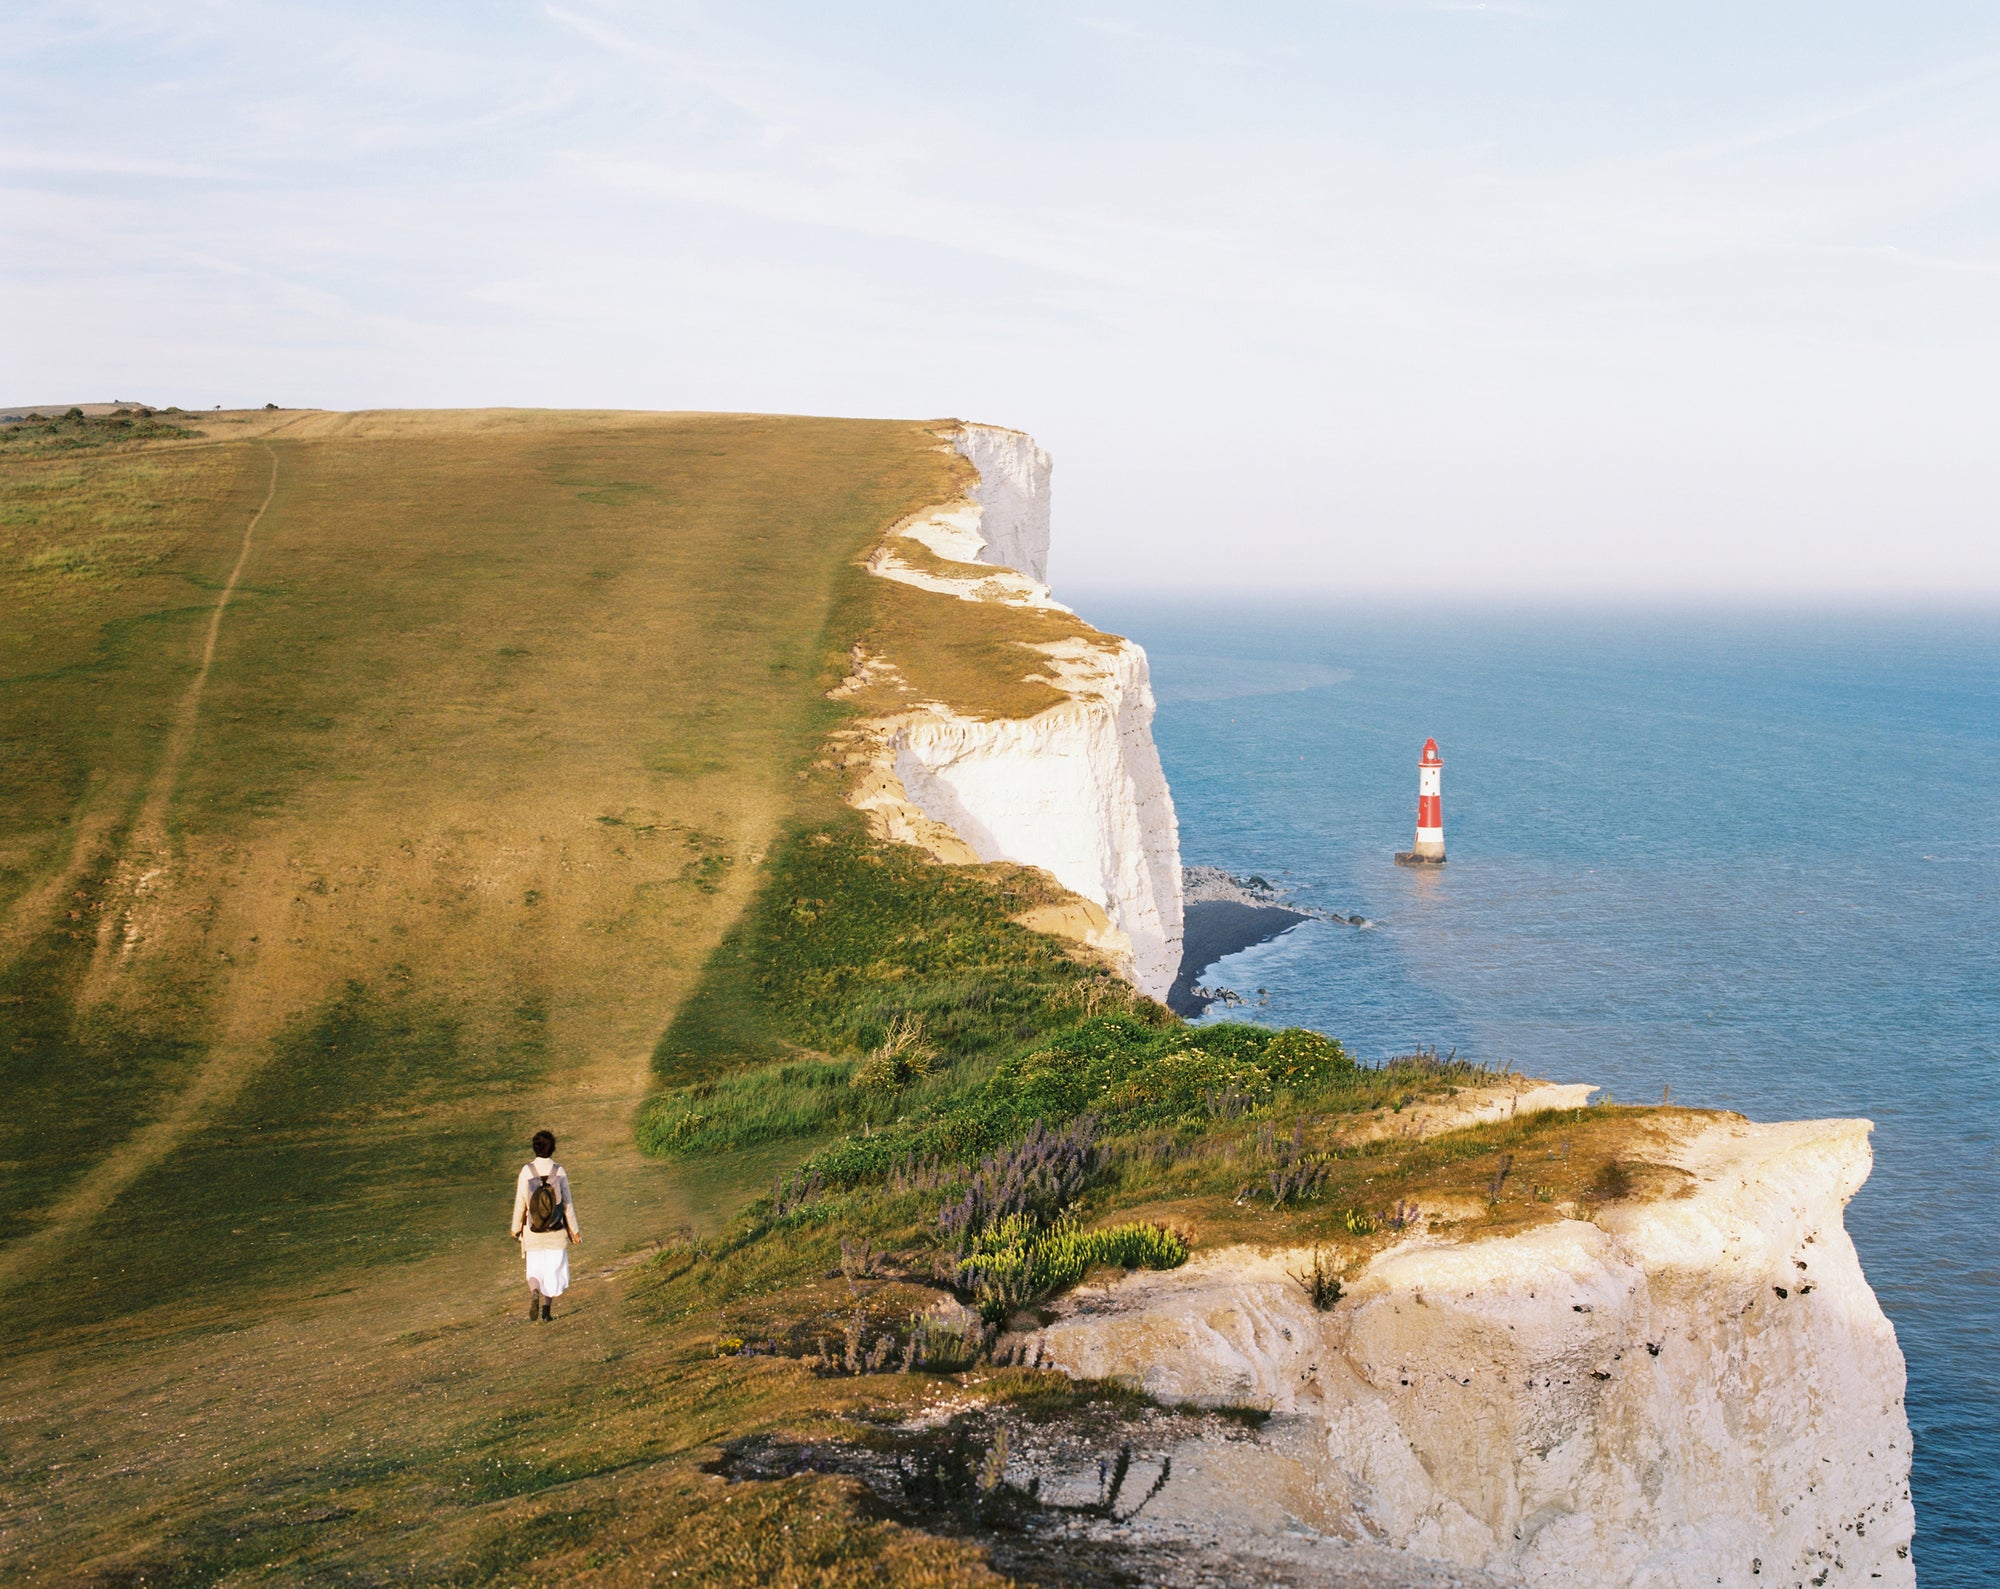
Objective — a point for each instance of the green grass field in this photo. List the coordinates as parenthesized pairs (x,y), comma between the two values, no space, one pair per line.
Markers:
(377,788)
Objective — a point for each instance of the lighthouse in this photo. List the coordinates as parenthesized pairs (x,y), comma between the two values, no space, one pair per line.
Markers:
(1429,849)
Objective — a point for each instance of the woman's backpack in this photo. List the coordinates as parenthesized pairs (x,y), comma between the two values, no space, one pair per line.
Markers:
(545,1204)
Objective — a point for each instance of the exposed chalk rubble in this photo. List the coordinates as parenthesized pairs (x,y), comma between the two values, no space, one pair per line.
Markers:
(1076,789)
(1696,1390)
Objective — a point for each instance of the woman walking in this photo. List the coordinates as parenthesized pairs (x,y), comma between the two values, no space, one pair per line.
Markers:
(544,1224)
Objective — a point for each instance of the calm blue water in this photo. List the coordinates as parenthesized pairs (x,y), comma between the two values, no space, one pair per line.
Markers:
(1756,859)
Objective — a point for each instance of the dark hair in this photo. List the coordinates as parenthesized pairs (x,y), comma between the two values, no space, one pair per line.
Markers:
(544,1144)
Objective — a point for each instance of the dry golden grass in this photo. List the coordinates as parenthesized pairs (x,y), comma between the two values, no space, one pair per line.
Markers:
(420,1432)
(975,657)
(1497,1179)
(503,715)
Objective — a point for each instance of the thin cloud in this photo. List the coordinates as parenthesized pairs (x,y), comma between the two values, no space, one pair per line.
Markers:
(1501,8)
(1100,249)
(1904,256)
(1959,74)
(71,162)
(1498,299)
(1211,54)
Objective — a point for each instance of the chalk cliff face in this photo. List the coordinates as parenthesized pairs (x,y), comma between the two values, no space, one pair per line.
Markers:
(1695,1391)
(1076,789)
(1013,497)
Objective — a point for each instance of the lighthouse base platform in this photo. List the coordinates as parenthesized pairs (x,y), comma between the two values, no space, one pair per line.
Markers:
(1417,858)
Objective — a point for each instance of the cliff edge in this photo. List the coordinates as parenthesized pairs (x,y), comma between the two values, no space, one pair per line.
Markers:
(1075,788)
(1401,1322)
(1696,1390)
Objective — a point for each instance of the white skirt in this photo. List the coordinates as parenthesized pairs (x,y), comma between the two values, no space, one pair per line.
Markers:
(549,1271)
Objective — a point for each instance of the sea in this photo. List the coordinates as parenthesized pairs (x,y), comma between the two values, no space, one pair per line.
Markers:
(1751,857)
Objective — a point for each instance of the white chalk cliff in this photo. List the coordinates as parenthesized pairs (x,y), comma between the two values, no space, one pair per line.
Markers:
(1690,1391)
(1075,789)
(1679,1391)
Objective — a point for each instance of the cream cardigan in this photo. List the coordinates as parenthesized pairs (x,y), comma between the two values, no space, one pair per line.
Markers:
(542,1240)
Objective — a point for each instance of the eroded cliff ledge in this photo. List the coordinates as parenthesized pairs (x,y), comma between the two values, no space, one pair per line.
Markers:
(1693,1390)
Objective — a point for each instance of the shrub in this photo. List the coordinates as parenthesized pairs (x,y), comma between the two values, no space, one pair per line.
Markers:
(1320,1284)
(1036,1179)
(998,1268)
(1015,1262)
(943,1345)
(903,1056)
(1402,1214)
(1294,1175)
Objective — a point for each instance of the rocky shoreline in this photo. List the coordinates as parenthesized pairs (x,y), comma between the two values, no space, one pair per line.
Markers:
(1222,915)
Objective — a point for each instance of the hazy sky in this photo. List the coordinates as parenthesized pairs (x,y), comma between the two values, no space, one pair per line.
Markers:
(1554,298)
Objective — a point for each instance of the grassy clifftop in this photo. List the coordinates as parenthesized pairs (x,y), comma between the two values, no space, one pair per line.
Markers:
(378,788)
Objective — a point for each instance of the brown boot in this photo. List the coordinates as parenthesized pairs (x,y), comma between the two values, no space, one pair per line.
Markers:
(536,1306)
(547,1305)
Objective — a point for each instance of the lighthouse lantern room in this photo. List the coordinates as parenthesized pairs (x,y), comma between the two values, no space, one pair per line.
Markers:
(1429,850)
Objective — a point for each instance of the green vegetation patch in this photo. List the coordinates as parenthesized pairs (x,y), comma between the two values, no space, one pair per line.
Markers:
(76,431)
(970,1091)
(864,985)
(871,992)
(1018,1260)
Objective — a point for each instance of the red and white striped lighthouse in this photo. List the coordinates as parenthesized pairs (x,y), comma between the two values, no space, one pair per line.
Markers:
(1429,849)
